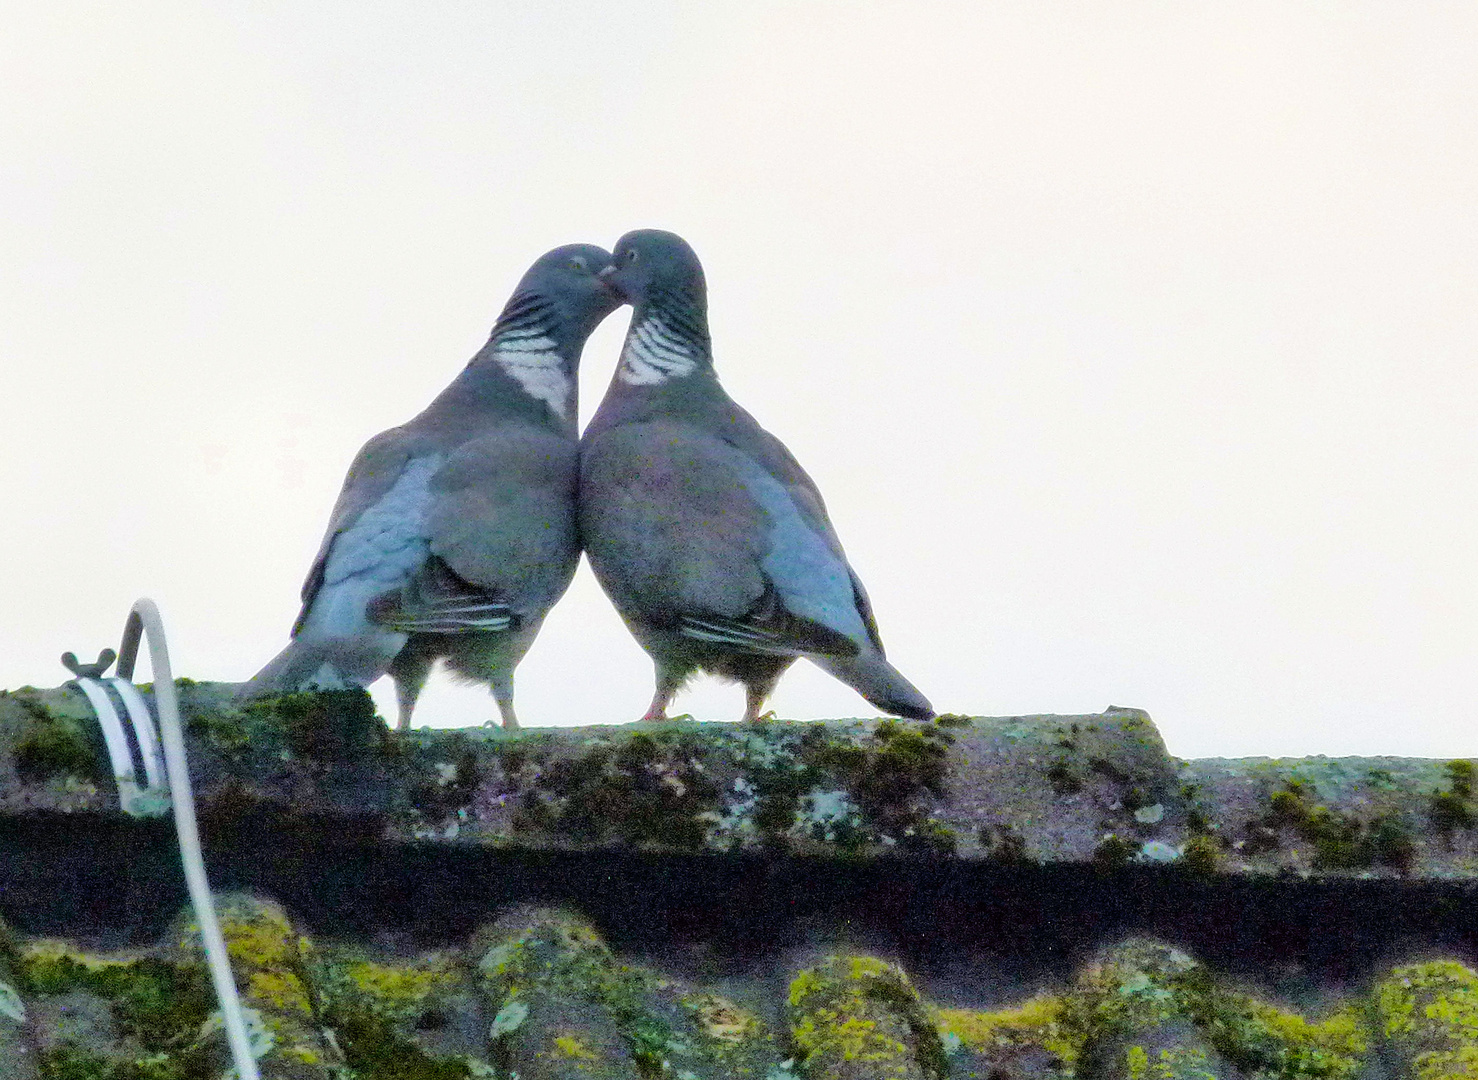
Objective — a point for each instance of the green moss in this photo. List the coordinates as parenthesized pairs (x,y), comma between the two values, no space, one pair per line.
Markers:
(331,725)
(547,976)
(399,992)
(897,764)
(375,1051)
(775,814)
(1428,1013)
(1202,854)
(227,731)
(1113,851)
(1063,779)
(1168,1063)
(1198,819)
(847,787)
(270,962)
(157,1002)
(645,789)
(375,1009)
(1392,843)
(1454,808)
(68,1062)
(1340,841)
(886,775)
(778,768)
(1260,1038)
(1004,844)
(539,953)
(1136,986)
(453,782)
(60,747)
(1382,779)
(552,949)
(1197,822)
(324,724)
(851,1012)
(1037,1024)
(721,1020)
(30,702)
(1141,985)
(1289,806)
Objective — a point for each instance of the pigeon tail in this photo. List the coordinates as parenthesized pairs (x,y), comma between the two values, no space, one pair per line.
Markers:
(304,666)
(880,683)
(275,678)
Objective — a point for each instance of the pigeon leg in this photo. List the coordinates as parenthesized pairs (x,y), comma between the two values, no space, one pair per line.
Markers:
(503,695)
(754,701)
(668,684)
(759,681)
(405,701)
(409,670)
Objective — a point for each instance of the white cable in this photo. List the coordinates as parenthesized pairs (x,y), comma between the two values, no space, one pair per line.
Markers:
(144,620)
(143,729)
(117,739)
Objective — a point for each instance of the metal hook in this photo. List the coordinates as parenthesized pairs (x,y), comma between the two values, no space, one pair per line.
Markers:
(80,670)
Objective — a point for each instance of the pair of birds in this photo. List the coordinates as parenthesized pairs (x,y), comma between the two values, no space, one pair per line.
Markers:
(457,532)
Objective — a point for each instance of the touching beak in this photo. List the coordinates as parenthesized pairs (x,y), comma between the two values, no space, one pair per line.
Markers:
(606,278)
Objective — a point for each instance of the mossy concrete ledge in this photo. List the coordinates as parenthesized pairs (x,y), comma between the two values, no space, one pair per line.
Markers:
(1095,789)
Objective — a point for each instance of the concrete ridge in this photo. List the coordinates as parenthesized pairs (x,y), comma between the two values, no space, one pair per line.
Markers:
(1097,789)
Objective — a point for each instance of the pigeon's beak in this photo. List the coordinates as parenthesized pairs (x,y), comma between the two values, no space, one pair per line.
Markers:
(607,279)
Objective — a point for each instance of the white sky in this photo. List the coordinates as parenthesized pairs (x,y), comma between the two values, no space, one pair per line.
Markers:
(1133,345)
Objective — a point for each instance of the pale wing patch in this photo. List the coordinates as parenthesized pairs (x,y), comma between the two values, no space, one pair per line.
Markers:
(813,582)
(534,361)
(653,354)
(385,545)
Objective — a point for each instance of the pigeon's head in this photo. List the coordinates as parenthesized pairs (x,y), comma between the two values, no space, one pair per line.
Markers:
(650,266)
(569,278)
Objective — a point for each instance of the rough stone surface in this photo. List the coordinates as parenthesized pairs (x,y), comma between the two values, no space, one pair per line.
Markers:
(538,993)
(1023,898)
(1095,789)
(267,958)
(1428,1015)
(857,1017)
(17,1054)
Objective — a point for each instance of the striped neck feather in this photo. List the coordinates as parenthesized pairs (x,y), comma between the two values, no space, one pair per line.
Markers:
(659,348)
(524,345)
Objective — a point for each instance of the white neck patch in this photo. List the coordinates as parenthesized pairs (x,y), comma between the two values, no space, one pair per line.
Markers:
(652,355)
(533,359)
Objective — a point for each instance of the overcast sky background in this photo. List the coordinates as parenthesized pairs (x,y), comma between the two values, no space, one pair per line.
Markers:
(1132,345)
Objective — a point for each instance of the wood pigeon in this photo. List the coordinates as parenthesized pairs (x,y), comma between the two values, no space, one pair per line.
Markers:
(706,534)
(455,533)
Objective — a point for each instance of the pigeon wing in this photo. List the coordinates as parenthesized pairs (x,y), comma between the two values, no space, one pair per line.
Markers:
(811,580)
(502,520)
(375,470)
(435,600)
(767,629)
(690,533)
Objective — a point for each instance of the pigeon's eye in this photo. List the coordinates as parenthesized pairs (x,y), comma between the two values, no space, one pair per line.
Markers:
(579,263)
(631,256)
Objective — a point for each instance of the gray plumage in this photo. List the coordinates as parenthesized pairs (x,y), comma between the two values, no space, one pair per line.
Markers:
(455,533)
(704,531)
